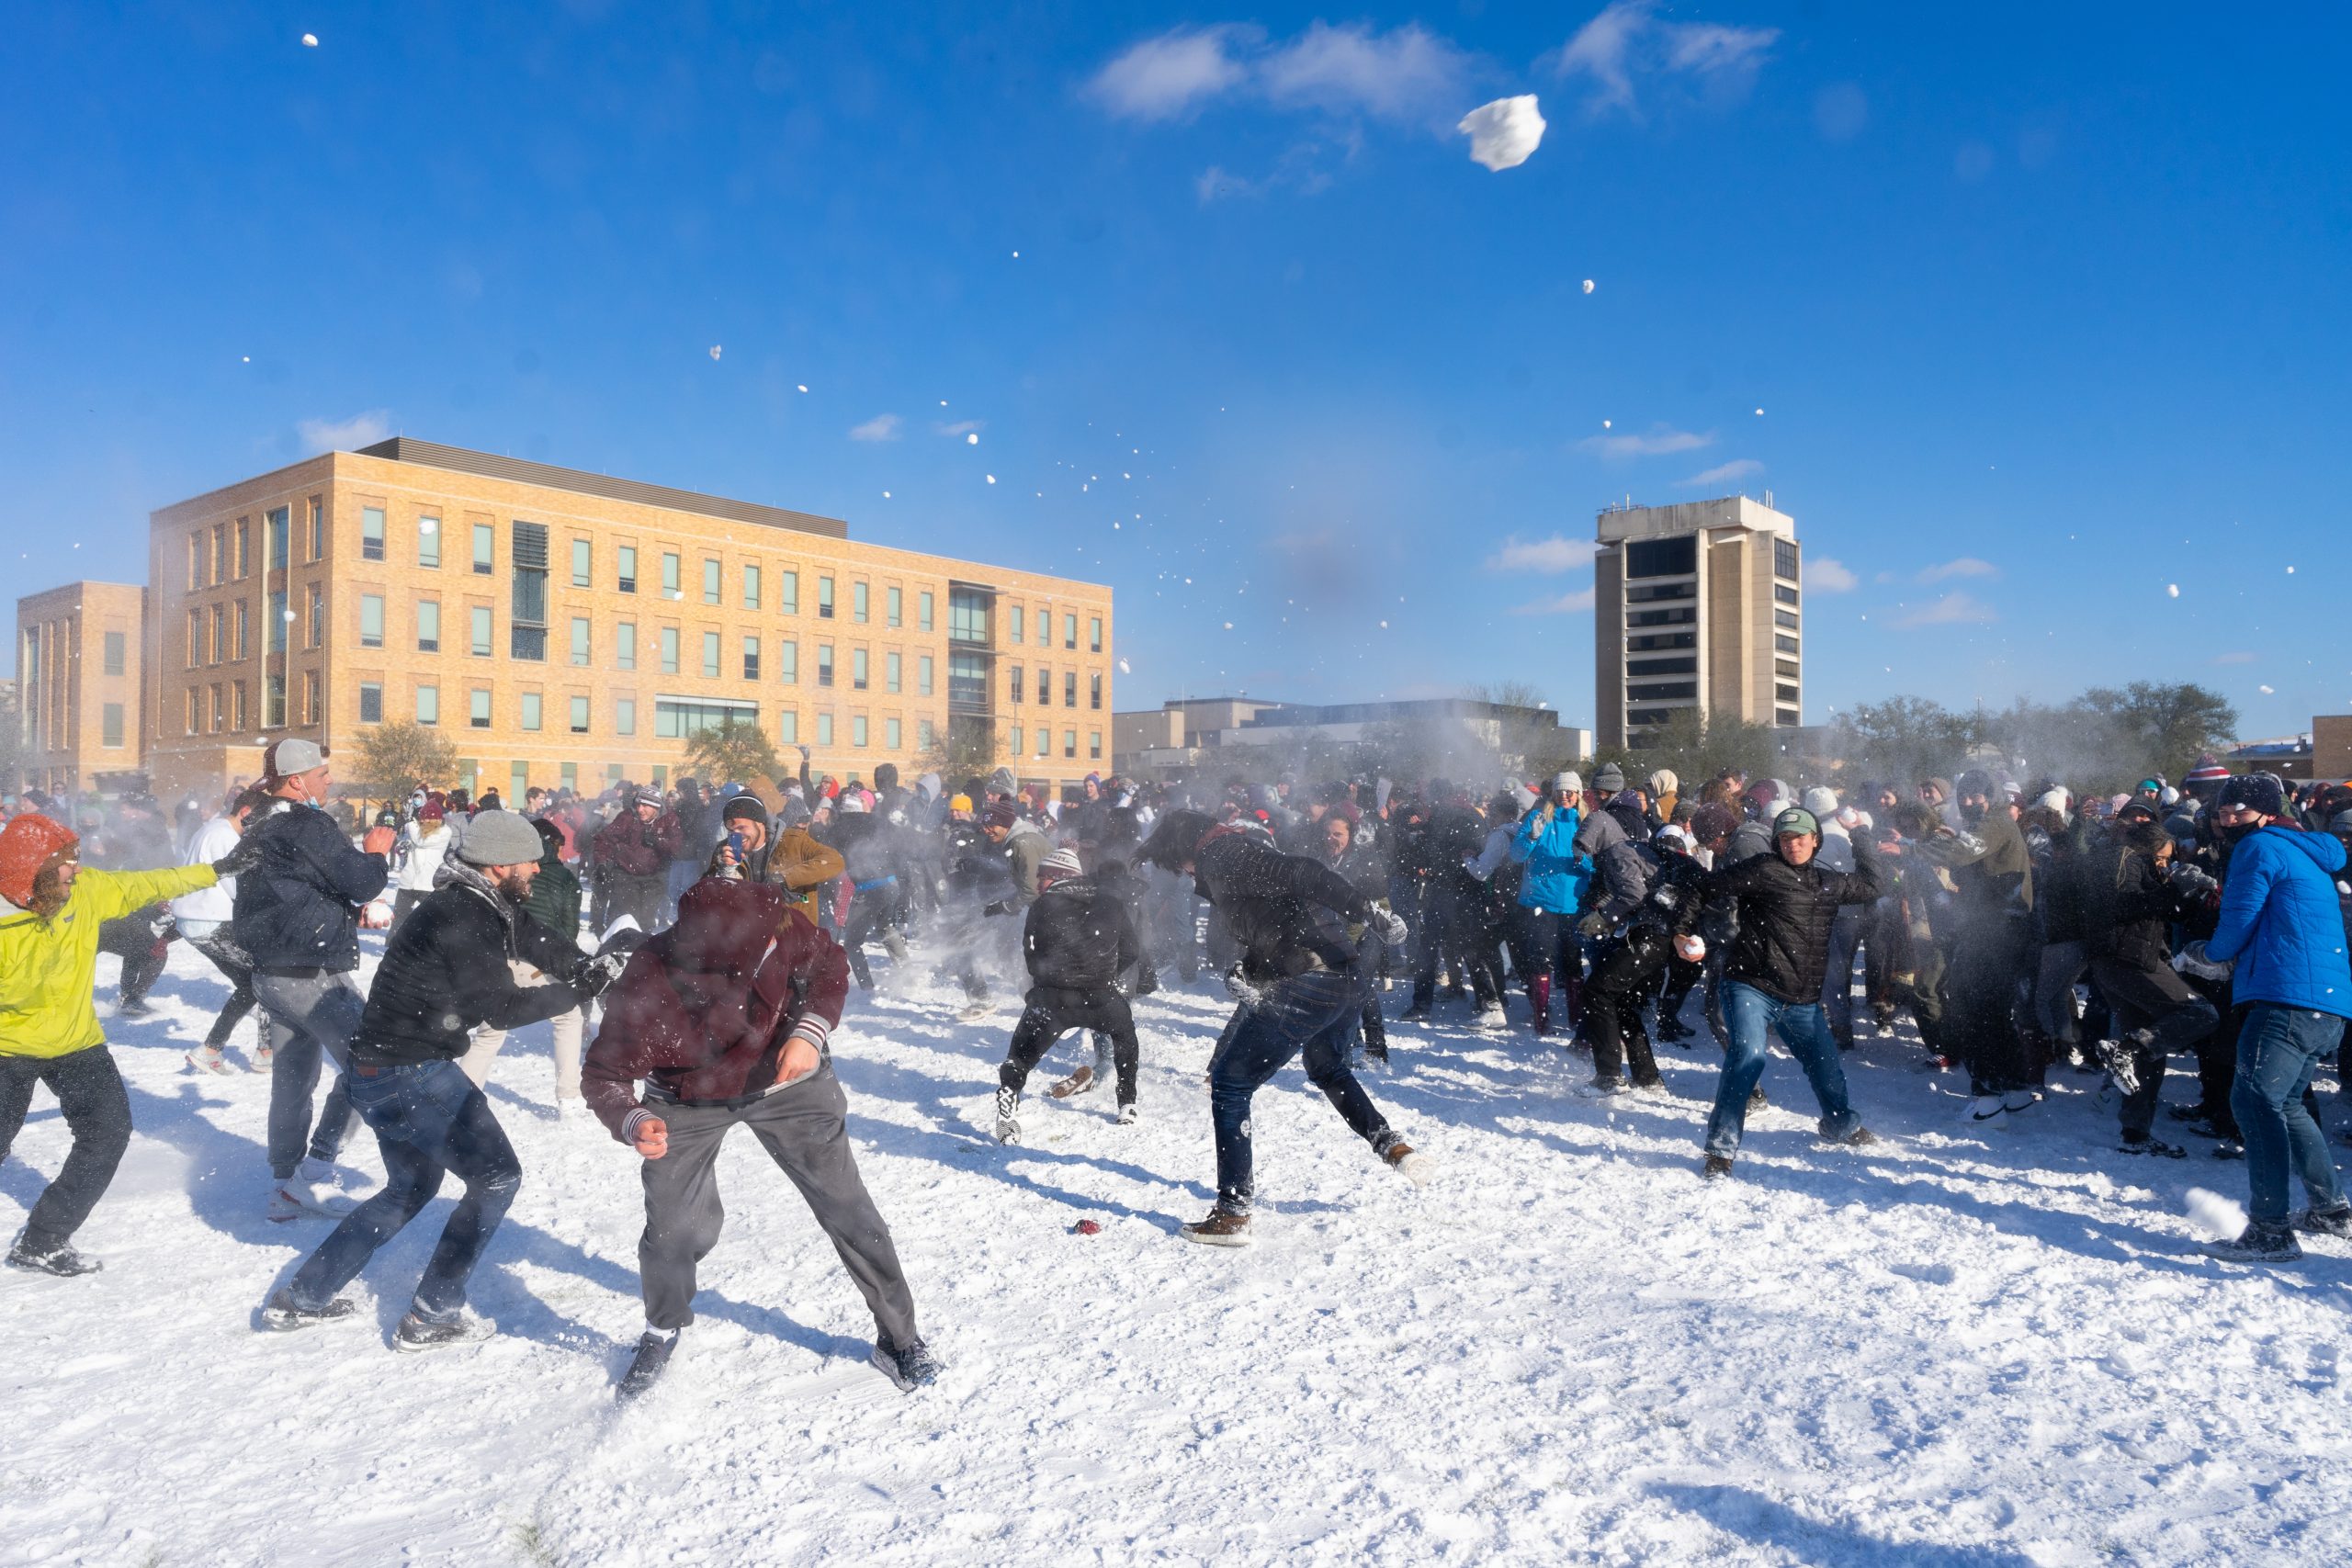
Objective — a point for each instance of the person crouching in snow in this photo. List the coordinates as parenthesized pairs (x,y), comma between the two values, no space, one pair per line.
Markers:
(49,1023)
(1078,937)
(725,1018)
(450,969)
(1299,983)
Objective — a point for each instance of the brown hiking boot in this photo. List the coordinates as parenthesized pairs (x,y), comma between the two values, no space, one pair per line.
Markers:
(1222,1228)
(1416,1169)
(1077,1083)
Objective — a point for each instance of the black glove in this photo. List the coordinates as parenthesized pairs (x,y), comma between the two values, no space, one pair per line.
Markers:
(1594,924)
(592,975)
(2192,881)
(244,857)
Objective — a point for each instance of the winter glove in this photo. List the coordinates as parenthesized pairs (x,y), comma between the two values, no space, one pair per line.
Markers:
(243,857)
(592,975)
(2191,960)
(1000,908)
(1238,987)
(1389,926)
(1594,924)
(2191,881)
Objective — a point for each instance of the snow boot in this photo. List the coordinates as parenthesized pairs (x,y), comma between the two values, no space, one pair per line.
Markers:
(281,1316)
(2148,1144)
(1070,1087)
(427,1333)
(2336,1222)
(2259,1243)
(1717,1168)
(645,1369)
(1539,1003)
(45,1257)
(910,1367)
(1129,1115)
(1008,1123)
(1860,1138)
(1222,1228)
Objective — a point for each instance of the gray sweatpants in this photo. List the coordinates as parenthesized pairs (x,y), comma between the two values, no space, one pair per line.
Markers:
(802,1127)
(311,1017)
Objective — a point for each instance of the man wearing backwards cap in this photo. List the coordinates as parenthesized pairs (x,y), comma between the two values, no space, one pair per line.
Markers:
(1787,904)
(634,852)
(451,969)
(49,1026)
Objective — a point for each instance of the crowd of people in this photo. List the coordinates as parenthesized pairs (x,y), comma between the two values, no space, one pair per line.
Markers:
(693,949)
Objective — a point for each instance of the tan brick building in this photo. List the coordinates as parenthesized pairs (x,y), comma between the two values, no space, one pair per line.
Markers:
(78,684)
(570,628)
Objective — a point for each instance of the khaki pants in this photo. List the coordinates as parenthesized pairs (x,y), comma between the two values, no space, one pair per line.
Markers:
(569,1028)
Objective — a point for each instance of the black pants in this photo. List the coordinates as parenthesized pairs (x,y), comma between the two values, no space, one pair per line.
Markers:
(2159,1000)
(1981,1003)
(1621,982)
(97,1113)
(639,896)
(237,968)
(132,938)
(1053,1012)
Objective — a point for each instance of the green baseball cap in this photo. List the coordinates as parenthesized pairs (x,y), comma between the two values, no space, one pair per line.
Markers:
(1795,822)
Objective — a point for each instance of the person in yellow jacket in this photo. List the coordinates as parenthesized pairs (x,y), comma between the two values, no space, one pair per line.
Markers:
(49,1022)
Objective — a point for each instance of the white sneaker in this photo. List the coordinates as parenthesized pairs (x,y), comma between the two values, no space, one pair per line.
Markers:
(2021,1099)
(1129,1115)
(281,1205)
(317,1188)
(972,1012)
(1493,1017)
(1986,1108)
(208,1060)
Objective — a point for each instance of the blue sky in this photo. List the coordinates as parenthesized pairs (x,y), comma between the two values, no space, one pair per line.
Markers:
(2044,307)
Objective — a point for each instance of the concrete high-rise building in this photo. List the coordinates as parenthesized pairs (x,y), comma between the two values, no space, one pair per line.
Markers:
(566,629)
(78,684)
(1696,606)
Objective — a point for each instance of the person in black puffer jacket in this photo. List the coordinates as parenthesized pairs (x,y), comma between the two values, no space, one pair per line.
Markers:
(2131,897)
(1077,937)
(1299,986)
(1786,904)
(1627,968)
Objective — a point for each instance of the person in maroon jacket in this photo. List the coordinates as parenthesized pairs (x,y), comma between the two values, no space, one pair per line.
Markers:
(725,1018)
(633,855)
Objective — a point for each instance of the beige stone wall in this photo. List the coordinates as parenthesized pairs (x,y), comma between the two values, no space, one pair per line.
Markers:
(2332,746)
(82,715)
(328,660)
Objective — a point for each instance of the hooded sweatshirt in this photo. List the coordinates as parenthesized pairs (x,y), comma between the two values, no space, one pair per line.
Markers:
(2280,923)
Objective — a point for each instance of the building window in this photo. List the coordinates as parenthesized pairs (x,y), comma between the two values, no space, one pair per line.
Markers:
(710,656)
(580,656)
(116,645)
(244,535)
(371,533)
(569,774)
(478,619)
(1070,631)
(1665,691)
(1662,558)
(894,604)
(315,607)
(279,615)
(1787,669)
(967,616)
(709,581)
(274,702)
(1785,693)
(787,599)
(1094,633)
(1662,666)
(309,697)
(1020,736)
(195,637)
(1070,688)
(1785,643)
(216,646)
(485,550)
(751,588)
(1785,594)
(428,541)
(787,661)
(923,674)
(518,783)
(429,625)
(824,664)
(1020,688)
(1787,718)
(922,611)
(1095,691)
(680,720)
(477,707)
(428,704)
(110,726)
(1786,619)
(280,523)
(531,712)
(196,552)
(857,603)
(625,715)
(220,707)
(824,598)
(220,554)
(624,645)
(824,730)
(1094,744)
(628,582)
(1784,558)
(1662,639)
(237,705)
(580,716)
(371,702)
(669,650)
(857,730)
(892,663)
(891,734)
(319,530)
(1044,742)
(1656,592)
(237,646)
(1044,688)
(371,620)
(1069,743)
(857,669)
(670,589)
(926,736)
(788,727)
(751,659)
(1018,620)
(527,632)
(1044,628)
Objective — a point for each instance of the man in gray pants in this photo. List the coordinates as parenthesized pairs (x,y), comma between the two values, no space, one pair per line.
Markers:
(296,914)
(724,1018)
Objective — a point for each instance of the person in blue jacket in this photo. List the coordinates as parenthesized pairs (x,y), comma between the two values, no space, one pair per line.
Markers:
(1550,892)
(2279,924)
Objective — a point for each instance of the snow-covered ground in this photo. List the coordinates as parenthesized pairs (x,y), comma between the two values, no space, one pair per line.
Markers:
(1953,1349)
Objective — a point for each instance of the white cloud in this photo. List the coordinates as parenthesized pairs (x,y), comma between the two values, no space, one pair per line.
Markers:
(1557,554)
(1505,133)
(1725,473)
(1827,574)
(1966,566)
(1161,78)
(1400,74)
(1566,604)
(1655,442)
(881,427)
(344,435)
(1952,610)
(1627,40)
(961,427)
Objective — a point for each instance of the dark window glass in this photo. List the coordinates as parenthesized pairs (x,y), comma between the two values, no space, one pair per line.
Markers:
(1662,558)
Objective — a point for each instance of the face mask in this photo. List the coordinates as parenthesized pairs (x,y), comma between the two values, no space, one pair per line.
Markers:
(2231,832)
(1973,814)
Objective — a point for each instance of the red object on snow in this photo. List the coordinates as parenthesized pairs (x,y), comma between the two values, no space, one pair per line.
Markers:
(1086,1227)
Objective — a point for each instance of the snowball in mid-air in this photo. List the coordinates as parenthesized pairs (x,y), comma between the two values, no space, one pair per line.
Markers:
(991,478)
(310,40)
(973,439)
(802,385)
(1122,668)
(2173,590)
(714,351)
(2266,691)
(1587,285)
(1503,133)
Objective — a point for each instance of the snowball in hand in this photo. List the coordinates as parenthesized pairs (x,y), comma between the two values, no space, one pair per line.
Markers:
(1503,133)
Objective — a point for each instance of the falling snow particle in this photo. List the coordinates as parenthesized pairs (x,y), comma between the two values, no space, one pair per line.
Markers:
(886,495)
(1606,424)
(1384,626)
(802,385)
(991,478)
(973,439)
(714,351)
(2264,690)
(1122,668)
(1587,285)
(1759,414)
(1228,625)
(310,40)
(2173,589)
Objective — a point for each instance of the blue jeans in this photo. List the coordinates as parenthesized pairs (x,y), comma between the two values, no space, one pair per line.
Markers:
(1315,1012)
(2277,1048)
(429,1121)
(1752,1015)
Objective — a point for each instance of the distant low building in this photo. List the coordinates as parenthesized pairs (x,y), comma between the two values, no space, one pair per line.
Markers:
(1188,734)
(78,677)
(2332,746)
(2288,756)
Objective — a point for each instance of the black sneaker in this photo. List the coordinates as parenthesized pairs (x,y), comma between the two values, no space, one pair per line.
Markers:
(134,1007)
(2230,1148)
(2336,1222)
(281,1316)
(1717,1168)
(2259,1243)
(1756,1100)
(2149,1144)
(652,1355)
(50,1258)
(1860,1138)
(911,1367)
(427,1333)
(2197,1112)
